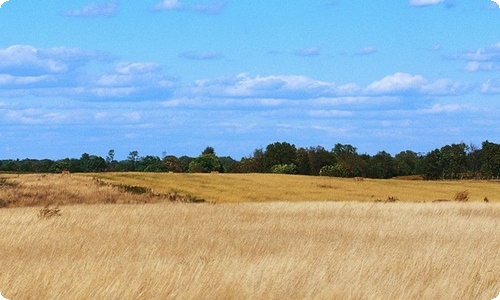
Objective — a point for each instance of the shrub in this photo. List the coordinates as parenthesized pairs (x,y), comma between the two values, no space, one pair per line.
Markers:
(462,196)
(48,212)
(284,169)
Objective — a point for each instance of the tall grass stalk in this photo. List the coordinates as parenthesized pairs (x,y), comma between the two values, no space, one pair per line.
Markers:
(277,250)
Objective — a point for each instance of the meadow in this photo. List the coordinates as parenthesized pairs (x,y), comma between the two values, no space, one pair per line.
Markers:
(108,243)
(275,187)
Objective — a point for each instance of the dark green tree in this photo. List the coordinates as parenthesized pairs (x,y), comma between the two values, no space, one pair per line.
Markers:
(490,157)
(302,162)
(206,163)
(279,154)
(382,165)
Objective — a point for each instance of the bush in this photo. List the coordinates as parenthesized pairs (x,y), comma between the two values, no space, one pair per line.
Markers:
(284,169)
(331,170)
(462,196)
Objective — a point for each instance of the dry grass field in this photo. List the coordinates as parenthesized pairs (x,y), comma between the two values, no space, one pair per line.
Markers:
(264,250)
(274,187)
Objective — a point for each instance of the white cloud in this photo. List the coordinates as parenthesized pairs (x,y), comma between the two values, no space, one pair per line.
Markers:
(2,2)
(396,83)
(94,10)
(424,2)
(325,113)
(272,86)
(490,87)
(404,83)
(6,79)
(482,59)
(27,60)
(440,108)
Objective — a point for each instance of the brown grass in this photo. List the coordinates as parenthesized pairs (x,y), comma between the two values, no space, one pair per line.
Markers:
(51,189)
(277,187)
(265,250)
(276,250)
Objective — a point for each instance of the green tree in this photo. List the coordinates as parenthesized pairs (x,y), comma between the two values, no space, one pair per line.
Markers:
(284,169)
(432,167)
(133,159)
(150,163)
(184,162)
(279,154)
(453,160)
(206,163)
(302,162)
(490,157)
(172,164)
(318,158)
(407,163)
(349,162)
(208,150)
(382,165)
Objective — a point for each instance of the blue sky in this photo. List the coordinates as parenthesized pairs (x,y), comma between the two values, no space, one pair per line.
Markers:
(176,76)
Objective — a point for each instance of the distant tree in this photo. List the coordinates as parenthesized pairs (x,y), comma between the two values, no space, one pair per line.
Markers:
(206,163)
(407,163)
(302,162)
(133,159)
(432,165)
(150,163)
(349,162)
(279,154)
(184,162)
(318,158)
(110,160)
(208,150)
(284,169)
(111,156)
(490,157)
(382,165)
(474,161)
(172,164)
(453,160)
(229,165)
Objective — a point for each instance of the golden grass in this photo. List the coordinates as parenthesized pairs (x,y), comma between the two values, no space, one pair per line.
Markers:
(274,250)
(52,189)
(275,187)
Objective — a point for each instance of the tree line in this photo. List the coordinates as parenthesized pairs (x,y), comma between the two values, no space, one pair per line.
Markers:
(455,161)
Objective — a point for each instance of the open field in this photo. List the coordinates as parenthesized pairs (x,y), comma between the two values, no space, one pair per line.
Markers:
(275,250)
(273,187)
(129,245)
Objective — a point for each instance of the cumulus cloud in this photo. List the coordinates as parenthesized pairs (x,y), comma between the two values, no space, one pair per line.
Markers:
(440,108)
(404,83)
(396,83)
(420,3)
(490,87)
(28,60)
(482,59)
(204,8)
(272,86)
(2,2)
(94,10)
(61,72)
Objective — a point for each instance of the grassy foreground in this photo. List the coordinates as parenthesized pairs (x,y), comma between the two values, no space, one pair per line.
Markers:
(142,246)
(274,187)
(274,250)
